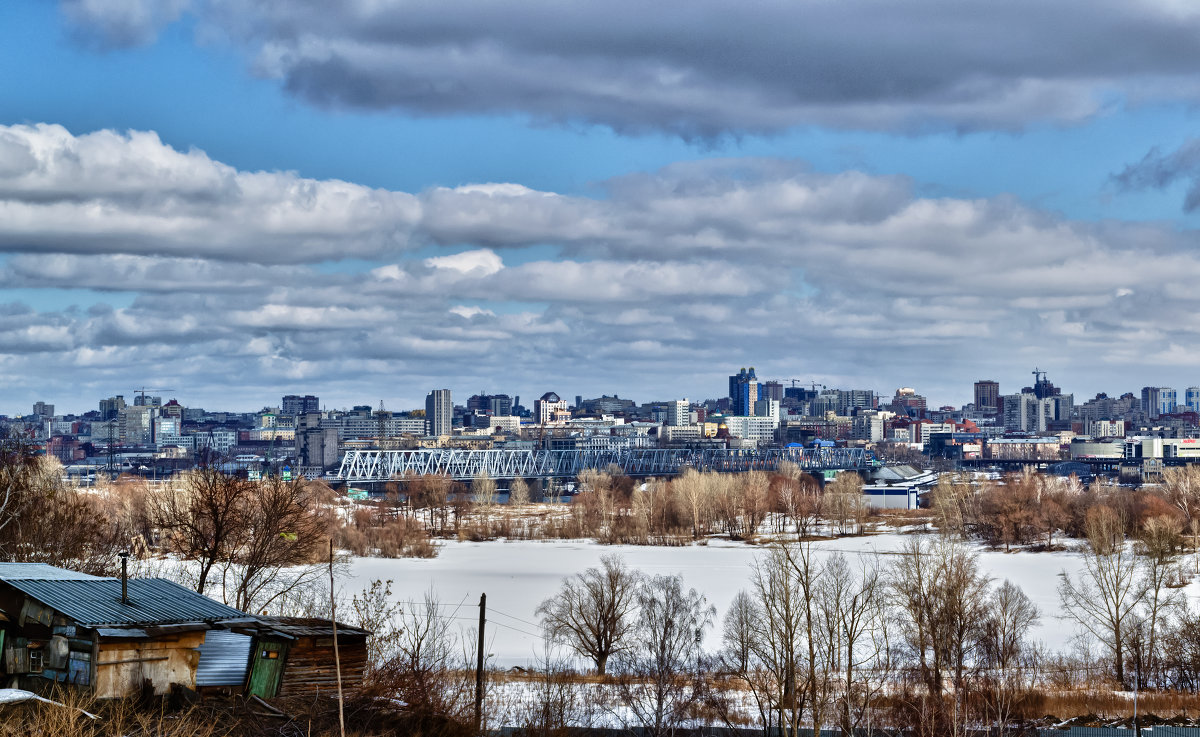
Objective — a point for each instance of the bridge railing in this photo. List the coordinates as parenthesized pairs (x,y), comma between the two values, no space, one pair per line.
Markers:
(463,465)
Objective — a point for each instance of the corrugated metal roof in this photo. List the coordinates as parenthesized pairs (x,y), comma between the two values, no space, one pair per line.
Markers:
(151,601)
(10,571)
(308,627)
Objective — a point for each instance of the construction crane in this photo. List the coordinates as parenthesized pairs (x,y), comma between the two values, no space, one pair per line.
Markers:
(145,389)
(812,384)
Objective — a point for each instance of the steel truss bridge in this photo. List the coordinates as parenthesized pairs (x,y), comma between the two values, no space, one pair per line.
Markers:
(464,465)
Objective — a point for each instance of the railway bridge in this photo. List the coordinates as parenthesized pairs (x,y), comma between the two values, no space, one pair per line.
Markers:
(361,466)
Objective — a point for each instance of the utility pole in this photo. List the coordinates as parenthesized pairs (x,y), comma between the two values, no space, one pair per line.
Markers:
(337,659)
(479,665)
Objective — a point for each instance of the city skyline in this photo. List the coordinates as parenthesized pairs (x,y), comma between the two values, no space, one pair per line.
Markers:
(367,201)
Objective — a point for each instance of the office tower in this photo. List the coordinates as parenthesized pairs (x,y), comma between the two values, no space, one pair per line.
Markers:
(744,391)
(41,409)
(987,394)
(295,405)
(439,412)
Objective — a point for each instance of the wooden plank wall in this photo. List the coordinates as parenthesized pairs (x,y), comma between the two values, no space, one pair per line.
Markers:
(310,668)
(123,665)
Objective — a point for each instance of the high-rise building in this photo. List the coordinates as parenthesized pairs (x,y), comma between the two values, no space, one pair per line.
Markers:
(1158,401)
(41,409)
(1025,412)
(545,408)
(1166,400)
(767,408)
(500,405)
(987,394)
(295,405)
(110,408)
(744,391)
(1192,399)
(773,390)
(439,412)
(679,413)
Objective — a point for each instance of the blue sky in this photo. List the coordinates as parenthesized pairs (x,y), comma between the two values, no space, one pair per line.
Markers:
(624,165)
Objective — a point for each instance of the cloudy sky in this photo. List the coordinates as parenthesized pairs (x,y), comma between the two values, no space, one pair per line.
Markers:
(238,199)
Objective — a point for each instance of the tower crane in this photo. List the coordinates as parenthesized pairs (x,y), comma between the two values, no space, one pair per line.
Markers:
(145,389)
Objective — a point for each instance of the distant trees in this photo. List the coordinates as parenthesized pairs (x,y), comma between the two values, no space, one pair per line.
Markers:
(45,520)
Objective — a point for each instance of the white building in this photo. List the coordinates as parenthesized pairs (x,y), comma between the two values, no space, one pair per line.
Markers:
(767,408)
(1106,429)
(678,413)
(439,412)
(548,409)
(761,429)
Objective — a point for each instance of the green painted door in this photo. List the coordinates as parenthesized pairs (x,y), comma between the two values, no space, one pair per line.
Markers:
(267,669)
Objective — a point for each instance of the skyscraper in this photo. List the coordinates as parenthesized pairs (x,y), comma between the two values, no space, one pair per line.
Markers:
(1192,398)
(439,412)
(744,391)
(987,392)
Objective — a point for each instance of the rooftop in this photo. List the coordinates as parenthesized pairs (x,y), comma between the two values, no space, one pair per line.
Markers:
(97,601)
(13,571)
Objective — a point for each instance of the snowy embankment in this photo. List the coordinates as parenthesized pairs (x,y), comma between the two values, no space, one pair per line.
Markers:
(517,576)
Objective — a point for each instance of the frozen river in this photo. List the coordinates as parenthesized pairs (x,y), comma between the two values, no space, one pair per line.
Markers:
(517,576)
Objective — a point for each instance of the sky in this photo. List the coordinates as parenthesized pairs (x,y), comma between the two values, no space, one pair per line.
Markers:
(231,200)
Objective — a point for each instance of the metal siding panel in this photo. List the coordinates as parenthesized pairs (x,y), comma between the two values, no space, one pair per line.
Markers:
(224,659)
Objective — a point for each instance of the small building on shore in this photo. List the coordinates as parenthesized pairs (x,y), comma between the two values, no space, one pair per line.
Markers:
(116,637)
(111,636)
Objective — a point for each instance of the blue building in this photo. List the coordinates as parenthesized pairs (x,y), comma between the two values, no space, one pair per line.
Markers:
(744,391)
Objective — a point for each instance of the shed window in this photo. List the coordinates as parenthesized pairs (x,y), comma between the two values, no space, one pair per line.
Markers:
(270,654)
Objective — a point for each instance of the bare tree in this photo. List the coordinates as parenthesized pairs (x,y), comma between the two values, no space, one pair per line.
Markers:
(941,599)
(1157,545)
(427,670)
(854,609)
(1010,659)
(693,489)
(780,641)
(1181,485)
(659,677)
(592,613)
(518,493)
(743,644)
(953,500)
(1104,598)
(375,611)
(483,492)
(202,517)
(843,502)
(277,546)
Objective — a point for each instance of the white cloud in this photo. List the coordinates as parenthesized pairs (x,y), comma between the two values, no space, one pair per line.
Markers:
(742,261)
(482,262)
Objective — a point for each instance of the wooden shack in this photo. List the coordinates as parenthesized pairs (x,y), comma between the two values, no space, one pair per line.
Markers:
(294,656)
(103,634)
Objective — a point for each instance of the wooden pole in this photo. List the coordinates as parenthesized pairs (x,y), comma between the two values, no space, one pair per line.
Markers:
(337,658)
(479,665)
